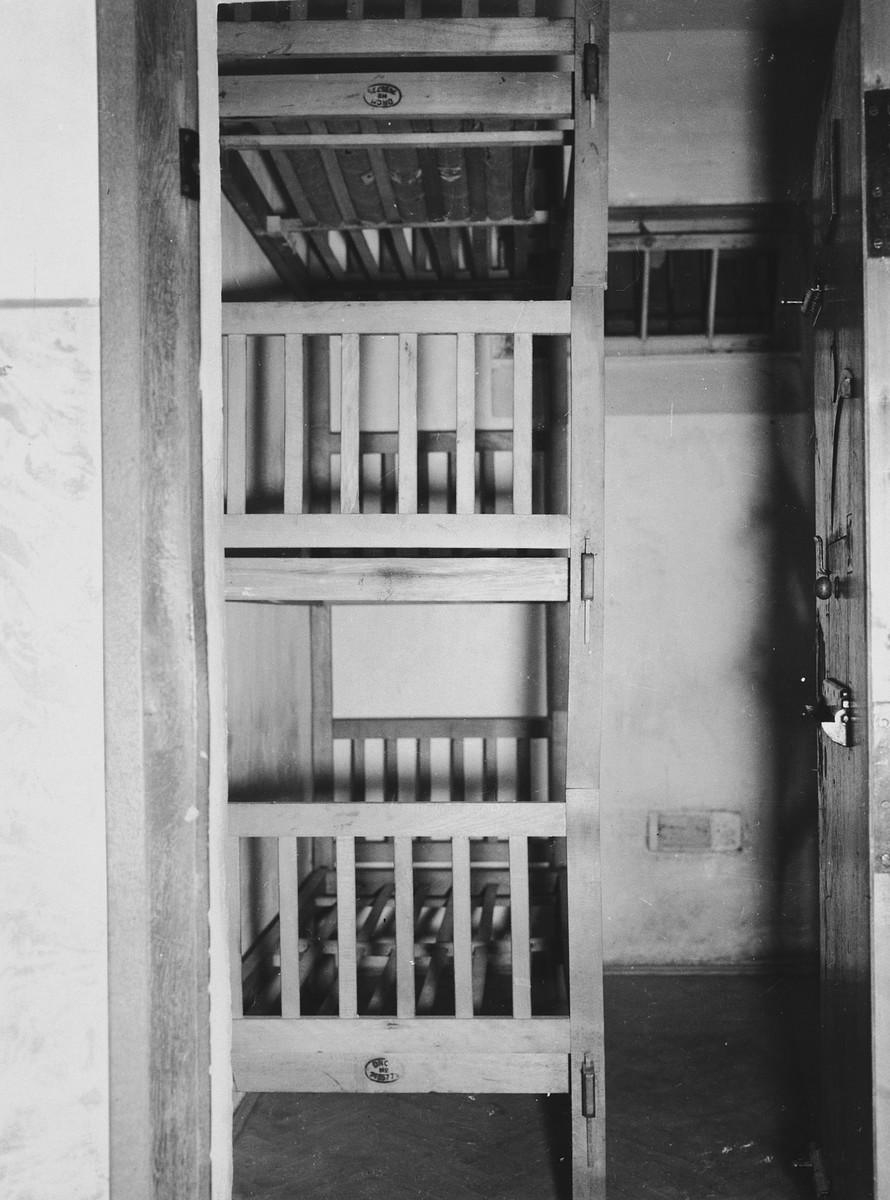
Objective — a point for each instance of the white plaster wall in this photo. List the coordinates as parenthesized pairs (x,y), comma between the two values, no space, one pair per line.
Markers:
(53,962)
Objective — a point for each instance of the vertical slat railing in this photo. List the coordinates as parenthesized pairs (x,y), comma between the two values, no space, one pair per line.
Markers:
(712,292)
(350,457)
(289,926)
(294,424)
(403,869)
(520,928)
(407,502)
(465,451)
(347,974)
(522,423)
(463,927)
(233,885)
(236,423)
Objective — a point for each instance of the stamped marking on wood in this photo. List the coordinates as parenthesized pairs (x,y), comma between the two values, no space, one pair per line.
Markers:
(383,1070)
(382,95)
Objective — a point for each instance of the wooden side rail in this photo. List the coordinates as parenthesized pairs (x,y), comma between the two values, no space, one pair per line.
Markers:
(332,457)
(340,927)
(440,38)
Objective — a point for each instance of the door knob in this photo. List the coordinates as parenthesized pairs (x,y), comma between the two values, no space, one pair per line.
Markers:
(823,585)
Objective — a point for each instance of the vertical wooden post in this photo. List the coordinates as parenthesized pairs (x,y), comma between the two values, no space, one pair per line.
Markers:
(584,719)
(407,499)
(236,423)
(465,454)
(294,424)
(157,697)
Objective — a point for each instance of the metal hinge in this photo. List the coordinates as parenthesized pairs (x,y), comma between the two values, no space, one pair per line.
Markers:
(590,71)
(877,173)
(189,165)
(834,712)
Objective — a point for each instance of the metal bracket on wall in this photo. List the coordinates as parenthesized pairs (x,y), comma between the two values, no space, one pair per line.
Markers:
(877,172)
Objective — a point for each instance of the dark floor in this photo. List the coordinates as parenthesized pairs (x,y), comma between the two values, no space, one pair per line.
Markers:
(710,1091)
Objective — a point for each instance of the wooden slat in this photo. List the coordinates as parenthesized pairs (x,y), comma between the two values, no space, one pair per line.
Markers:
(289,927)
(440,37)
(233,888)
(712,292)
(402,316)
(404,880)
(294,424)
(438,958)
(481,944)
(396,580)
(375,139)
(458,777)
(463,944)
(438,531)
(347,974)
(465,456)
(522,423)
(407,423)
(407,819)
(350,463)
(236,423)
(520,931)
(320,654)
(353,728)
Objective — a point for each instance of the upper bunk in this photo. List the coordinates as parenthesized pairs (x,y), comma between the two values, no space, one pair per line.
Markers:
(402,394)
(403,155)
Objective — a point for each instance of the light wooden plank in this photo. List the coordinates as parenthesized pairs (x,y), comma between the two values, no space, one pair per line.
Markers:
(350,461)
(294,424)
(536,95)
(373,139)
(440,531)
(463,944)
(465,453)
(403,316)
(522,423)
(233,896)
(236,423)
(520,928)
(277,1070)
(408,423)
(320,669)
(403,870)
(407,819)
(413,1035)
(396,580)
(347,973)
(352,728)
(439,37)
(712,293)
(289,927)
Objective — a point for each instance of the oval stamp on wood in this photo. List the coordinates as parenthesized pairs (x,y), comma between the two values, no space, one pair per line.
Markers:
(382,95)
(383,1070)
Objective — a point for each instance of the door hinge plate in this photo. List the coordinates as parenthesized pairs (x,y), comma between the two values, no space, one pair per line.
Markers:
(877,172)
(189,165)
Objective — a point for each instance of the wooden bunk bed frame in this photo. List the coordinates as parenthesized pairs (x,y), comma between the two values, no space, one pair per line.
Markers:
(457,913)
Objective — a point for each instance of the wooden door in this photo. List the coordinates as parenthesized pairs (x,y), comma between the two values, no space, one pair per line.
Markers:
(848,304)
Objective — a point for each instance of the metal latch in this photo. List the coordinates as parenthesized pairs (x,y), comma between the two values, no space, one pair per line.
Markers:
(834,712)
(587,586)
(588,1088)
(877,173)
(189,165)
(590,71)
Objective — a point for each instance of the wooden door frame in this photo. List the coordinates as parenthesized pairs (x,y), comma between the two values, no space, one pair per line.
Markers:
(875,66)
(170,1124)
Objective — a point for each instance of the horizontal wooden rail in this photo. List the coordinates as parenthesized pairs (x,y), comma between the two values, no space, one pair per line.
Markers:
(393,140)
(439,37)
(394,317)
(354,728)
(438,820)
(427,95)
(394,531)
(397,580)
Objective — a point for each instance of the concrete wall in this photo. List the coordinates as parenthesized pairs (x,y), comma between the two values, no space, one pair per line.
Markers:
(53,1010)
